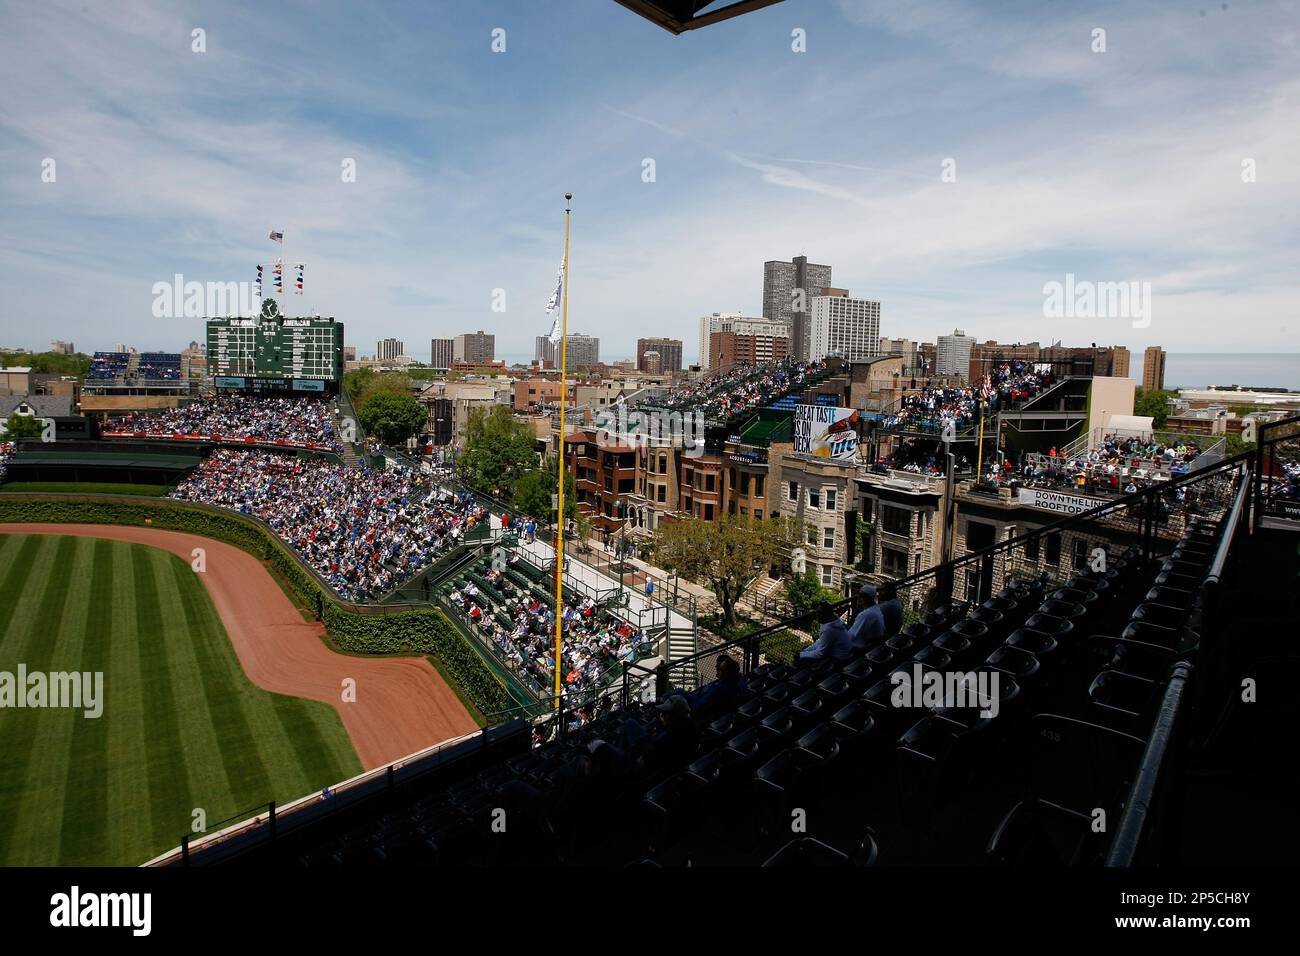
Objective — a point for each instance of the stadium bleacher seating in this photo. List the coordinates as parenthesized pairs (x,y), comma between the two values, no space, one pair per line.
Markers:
(108,366)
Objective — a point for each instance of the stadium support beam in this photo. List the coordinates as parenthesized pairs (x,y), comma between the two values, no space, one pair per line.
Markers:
(678,16)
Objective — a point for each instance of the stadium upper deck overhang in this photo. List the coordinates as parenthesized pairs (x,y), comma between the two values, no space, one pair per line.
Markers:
(679,16)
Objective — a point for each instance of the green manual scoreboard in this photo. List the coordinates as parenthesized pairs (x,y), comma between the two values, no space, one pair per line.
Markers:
(276,353)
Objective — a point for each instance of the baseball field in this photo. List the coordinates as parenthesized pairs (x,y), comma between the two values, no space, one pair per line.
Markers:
(182,727)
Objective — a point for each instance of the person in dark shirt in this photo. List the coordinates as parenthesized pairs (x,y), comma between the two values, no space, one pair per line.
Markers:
(721,695)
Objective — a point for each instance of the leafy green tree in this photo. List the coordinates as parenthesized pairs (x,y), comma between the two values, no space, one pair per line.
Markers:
(532,490)
(1234,445)
(49,363)
(728,554)
(357,381)
(498,451)
(805,592)
(1155,403)
(23,426)
(392,418)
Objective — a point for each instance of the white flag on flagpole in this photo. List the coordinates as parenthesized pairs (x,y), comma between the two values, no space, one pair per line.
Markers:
(553,306)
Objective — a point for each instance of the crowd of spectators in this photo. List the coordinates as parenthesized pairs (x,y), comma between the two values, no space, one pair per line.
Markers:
(298,421)
(6,452)
(740,388)
(932,408)
(594,640)
(364,530)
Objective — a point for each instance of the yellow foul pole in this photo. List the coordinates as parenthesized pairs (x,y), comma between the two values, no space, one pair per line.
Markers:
(559,514)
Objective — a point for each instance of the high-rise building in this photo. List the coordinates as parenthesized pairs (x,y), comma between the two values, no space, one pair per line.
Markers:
(62,348)
(952,356)
(544,351)
(388,349)
(441,353)
(584,351)
(349,353)
(739,324)
(788,291)
(843,326)
(1153,368)
(909,350)
(475,348)
(670,354)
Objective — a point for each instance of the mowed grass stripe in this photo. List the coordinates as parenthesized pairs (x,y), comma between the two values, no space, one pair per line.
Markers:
(130,829)
(83,834)
(40,810)
(237,777)
(34,626)
(14,584)
(170,805)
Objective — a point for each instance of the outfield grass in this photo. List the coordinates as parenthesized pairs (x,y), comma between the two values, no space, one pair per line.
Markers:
(85,488)
(182,727)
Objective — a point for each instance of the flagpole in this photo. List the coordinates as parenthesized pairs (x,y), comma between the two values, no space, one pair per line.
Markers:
(559,514)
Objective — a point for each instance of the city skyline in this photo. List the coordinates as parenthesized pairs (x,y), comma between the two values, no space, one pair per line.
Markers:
(1122,166)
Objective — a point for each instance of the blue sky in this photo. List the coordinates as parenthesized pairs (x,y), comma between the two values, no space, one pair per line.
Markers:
(1115,166)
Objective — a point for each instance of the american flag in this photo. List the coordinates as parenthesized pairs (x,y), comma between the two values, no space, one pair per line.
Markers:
(277,237)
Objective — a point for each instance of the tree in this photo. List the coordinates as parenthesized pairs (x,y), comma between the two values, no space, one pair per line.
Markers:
(729,554)
(389,383)
(1155,403)
(532,490)
(49,363)
(392,418)
(805,592)
(356,382)
(23,426)
(498,450)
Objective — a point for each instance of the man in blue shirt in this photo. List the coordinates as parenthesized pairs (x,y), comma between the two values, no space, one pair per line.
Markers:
(892,609)
(833,642)
(868,628)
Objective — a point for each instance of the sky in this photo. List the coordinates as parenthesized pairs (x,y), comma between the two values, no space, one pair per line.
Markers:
(1115,165)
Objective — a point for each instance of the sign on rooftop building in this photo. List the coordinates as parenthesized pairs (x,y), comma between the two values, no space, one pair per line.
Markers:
(826,431)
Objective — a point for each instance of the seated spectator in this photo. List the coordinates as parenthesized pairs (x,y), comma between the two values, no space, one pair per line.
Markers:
(892,609)
(720,695)
(868,628)
(833,642)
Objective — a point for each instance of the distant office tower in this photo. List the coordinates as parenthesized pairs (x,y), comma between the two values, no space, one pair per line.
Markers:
(952,356)
(911,351)
(735,348)
(441,353)
(845,327)
(62,348)
(475,348)
(349,353)
(670,353)
(584,350)
(1153,368)
(787,285)
(739,324)
(651,362)
(388,349)
(544,351)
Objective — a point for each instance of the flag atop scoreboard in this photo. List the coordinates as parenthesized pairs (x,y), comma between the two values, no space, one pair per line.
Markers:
(826,431)
(272,352)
